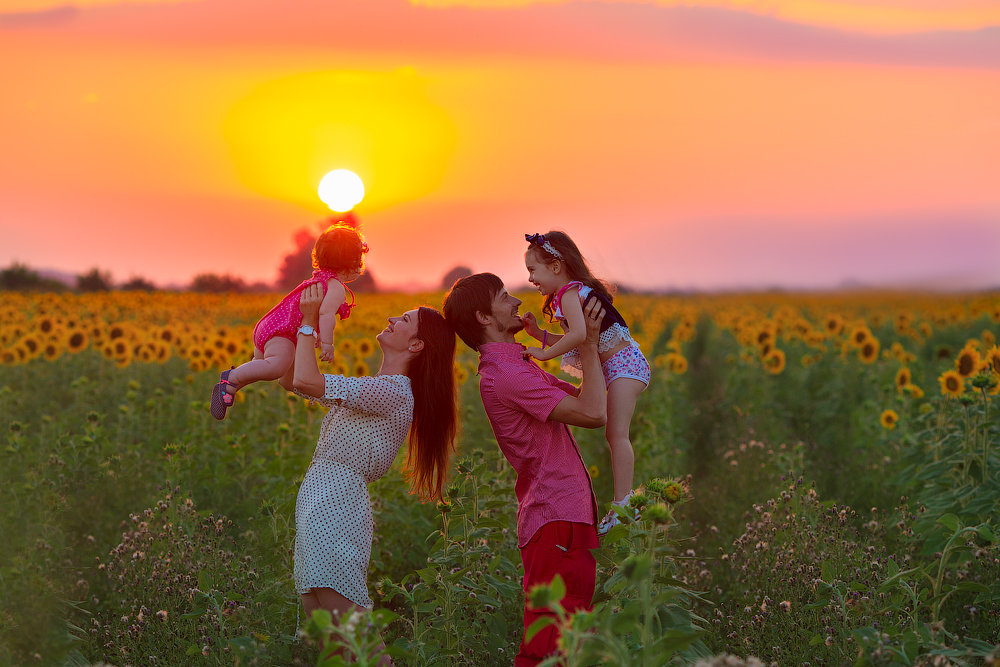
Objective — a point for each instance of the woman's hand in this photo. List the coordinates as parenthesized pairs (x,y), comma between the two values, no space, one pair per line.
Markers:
(309,302)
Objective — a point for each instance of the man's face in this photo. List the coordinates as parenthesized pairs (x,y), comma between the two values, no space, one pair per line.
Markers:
(505,316)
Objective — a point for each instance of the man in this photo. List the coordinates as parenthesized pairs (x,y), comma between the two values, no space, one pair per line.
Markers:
(530,411)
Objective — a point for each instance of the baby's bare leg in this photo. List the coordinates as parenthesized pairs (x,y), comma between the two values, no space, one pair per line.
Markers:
(270,364)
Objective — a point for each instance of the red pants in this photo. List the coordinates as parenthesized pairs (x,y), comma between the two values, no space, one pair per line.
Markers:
(563,548)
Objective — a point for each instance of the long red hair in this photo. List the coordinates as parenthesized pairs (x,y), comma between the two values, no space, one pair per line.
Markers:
(435,412)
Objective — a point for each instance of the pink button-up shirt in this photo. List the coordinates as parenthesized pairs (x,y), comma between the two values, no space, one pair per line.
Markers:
(552,481)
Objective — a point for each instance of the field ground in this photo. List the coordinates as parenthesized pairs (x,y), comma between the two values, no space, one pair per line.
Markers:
(821,481)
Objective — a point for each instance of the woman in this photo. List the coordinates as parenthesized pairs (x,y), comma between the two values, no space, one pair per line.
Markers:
(369,418)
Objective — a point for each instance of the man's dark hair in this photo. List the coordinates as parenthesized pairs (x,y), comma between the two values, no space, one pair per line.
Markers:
(468,296)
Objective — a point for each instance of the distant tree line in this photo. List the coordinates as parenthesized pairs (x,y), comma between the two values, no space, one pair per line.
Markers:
(294,268)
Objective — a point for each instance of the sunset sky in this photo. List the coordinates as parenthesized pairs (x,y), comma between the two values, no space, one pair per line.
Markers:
(701,144)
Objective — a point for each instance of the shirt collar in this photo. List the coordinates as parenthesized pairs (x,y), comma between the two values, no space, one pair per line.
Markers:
(501,350)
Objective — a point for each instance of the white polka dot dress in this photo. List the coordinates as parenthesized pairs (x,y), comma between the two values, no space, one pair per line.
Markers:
(368,421)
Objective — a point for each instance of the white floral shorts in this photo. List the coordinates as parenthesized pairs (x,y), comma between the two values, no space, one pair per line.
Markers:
(626,363)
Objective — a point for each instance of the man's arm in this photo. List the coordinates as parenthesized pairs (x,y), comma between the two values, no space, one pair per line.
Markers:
(589,408)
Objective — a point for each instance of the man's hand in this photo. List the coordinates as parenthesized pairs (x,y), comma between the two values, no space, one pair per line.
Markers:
(593,313)
(309,302)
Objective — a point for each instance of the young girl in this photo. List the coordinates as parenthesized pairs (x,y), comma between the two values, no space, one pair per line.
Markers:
(556,267)
(337,258)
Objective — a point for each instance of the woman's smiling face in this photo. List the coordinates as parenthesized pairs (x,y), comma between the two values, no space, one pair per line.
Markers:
(399,332)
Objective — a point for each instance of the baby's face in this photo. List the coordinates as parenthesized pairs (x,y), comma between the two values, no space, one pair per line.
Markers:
(350,275)
(546,276)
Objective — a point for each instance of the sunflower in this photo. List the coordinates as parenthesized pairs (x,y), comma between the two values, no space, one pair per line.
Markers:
(774,361)
(968,361)
(952,384)
(992,359)
(989,340)
(868,351)
(461,375)
(888,419)
(345,346)
(365,347)
(360,369)
(46,325)
(859,335)
(913,390)
(76,342)
(340,368)
(833,324)
(903,378)
(815,339)
(51,351)
(677,363)
(162,353)
(33,347)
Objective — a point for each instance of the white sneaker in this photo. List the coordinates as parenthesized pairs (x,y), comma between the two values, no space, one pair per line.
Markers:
(611,519)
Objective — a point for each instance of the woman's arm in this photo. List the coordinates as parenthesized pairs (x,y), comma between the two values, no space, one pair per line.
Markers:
(307,378)
(335,295)
(576,328)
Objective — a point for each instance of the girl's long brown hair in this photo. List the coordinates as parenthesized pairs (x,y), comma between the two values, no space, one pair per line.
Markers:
(576,267)
(435,415)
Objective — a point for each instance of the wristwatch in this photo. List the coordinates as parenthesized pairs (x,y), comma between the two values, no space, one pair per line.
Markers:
(308,330)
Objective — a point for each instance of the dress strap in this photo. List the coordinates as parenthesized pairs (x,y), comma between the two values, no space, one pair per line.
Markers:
(557,299)
(345,308)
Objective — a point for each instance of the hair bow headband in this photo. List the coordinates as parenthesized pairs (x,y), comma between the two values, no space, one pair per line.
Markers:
(540,241)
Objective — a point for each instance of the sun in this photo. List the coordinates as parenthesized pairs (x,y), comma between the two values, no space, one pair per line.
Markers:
(341,190)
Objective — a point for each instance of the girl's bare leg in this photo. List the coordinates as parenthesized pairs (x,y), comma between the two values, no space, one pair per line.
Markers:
(622,396)
(270,364)
(336,604)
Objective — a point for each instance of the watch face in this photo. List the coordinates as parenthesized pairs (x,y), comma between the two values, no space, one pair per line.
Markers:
(307,330)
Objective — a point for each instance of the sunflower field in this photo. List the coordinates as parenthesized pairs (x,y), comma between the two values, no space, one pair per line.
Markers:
(820,484)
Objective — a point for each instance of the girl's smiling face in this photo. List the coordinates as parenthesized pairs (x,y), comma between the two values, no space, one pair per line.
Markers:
(547,276)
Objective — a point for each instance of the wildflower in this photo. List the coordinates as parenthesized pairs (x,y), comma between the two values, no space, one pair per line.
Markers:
(673,491)
(889,419)
(656,486)
(952,384)
(638,500)
(658,513)
(985,380)
(785,605)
